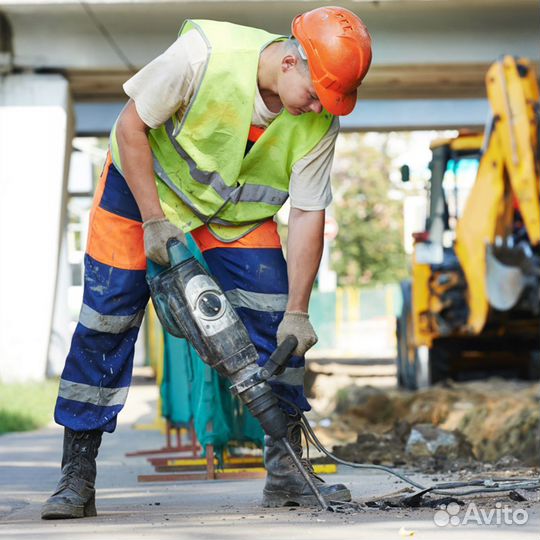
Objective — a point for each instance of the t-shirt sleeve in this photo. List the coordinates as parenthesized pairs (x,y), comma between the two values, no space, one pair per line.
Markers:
(167,84)
(310,187)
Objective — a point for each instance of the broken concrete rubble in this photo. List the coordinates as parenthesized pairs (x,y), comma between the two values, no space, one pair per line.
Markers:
(426,440)
(442,427)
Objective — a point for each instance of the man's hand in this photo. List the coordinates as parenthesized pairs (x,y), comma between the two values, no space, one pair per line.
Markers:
(296,323)
(156,234)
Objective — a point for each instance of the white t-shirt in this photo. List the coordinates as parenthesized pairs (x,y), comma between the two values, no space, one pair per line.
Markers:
(167,85)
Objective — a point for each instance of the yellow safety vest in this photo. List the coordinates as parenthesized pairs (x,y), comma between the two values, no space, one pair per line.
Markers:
(201,171)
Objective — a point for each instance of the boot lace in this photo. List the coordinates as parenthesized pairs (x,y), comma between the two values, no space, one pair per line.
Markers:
(82,451)
(306,462)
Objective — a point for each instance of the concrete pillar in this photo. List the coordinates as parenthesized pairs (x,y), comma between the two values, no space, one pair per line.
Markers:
(35,144)
(69,294)
(61,332)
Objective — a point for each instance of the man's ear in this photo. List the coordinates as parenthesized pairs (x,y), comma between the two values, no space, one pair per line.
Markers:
(288,62)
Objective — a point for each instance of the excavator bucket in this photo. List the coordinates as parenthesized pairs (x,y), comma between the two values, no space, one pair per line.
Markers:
(505,283)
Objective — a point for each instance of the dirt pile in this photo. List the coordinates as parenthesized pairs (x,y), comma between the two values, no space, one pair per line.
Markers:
(486,421)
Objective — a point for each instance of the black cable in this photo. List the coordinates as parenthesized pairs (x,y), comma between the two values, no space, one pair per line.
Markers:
(489,486)
(107,35)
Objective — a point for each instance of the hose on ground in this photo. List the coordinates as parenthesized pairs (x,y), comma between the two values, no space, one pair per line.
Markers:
(479,486)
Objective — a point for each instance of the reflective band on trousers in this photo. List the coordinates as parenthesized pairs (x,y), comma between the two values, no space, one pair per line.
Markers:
(96,395)
(257,301)
(267,303)
(245,193)
(110,324)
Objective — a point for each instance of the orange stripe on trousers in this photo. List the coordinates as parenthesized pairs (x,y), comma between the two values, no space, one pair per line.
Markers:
(264,236)
(114,240)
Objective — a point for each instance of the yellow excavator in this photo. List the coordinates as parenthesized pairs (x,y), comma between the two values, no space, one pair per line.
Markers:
(473,303)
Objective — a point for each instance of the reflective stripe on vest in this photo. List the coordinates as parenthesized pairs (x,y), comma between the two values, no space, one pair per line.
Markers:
(243,193)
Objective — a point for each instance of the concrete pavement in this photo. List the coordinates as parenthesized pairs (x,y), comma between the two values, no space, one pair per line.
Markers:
(29,469)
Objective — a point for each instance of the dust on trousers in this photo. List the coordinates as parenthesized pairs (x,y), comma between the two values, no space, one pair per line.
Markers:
(97,374)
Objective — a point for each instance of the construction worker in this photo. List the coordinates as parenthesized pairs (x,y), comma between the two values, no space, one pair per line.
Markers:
(219,131)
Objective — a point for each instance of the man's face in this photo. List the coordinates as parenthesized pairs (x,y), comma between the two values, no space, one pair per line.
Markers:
(295,88)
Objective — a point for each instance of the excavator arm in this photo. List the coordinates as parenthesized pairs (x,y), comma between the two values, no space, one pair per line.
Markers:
(498,235)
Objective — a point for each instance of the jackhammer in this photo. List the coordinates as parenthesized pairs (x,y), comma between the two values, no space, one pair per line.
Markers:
(191,305)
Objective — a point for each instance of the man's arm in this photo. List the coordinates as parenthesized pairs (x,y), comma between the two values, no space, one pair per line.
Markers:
(304,251)
(310,193)
(137,165)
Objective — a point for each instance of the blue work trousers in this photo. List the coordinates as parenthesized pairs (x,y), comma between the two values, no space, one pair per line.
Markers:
(97,374)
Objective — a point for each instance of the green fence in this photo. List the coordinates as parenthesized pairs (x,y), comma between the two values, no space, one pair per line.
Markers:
(343,318)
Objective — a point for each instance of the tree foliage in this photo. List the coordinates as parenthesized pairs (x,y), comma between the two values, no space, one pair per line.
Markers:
(368,209)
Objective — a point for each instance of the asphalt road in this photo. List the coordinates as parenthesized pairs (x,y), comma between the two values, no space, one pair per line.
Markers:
(29,468)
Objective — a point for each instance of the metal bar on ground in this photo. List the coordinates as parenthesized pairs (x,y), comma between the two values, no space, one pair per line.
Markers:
(210,466)
(233,474)
(191,448)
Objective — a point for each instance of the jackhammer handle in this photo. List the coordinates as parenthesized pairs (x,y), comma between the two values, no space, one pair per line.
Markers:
(277,360)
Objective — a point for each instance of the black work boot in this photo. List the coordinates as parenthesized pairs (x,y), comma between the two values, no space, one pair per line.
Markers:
(285,485)
(75,496)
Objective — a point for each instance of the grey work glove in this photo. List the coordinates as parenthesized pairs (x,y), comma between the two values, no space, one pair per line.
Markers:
(156,233)
(296,323)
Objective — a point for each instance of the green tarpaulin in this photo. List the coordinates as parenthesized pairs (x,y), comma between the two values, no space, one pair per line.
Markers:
(190,390)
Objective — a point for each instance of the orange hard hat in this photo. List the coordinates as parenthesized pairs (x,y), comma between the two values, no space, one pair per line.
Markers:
(337,45)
